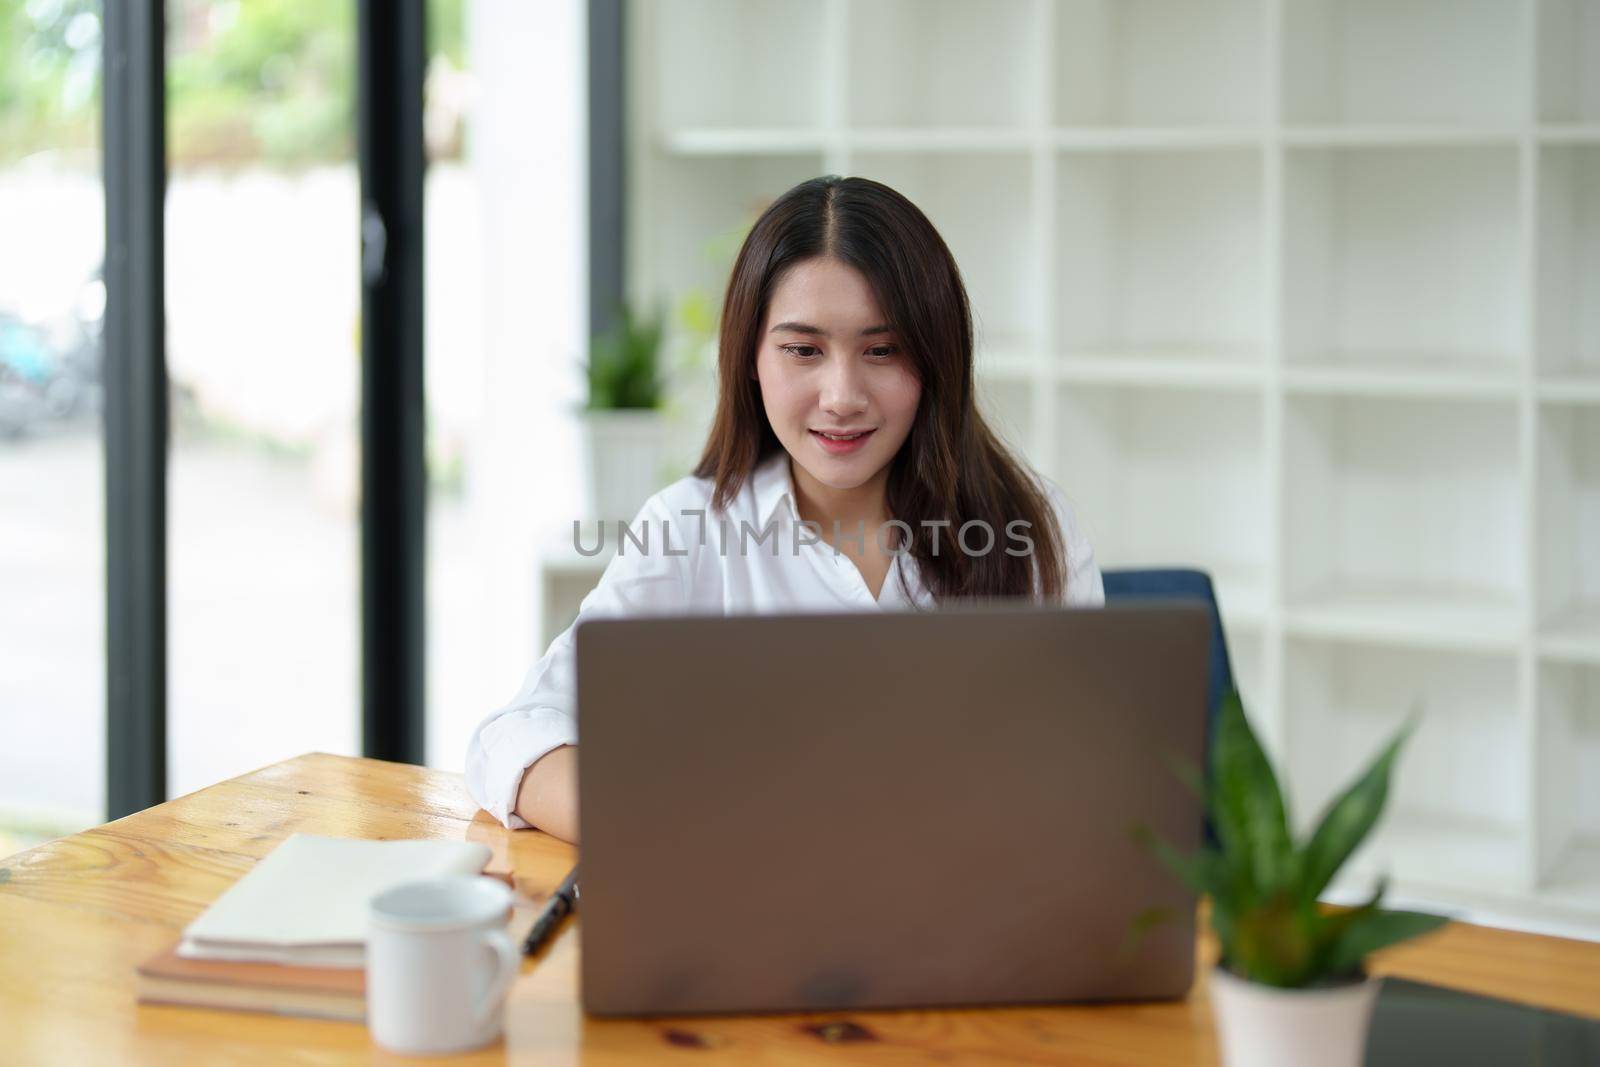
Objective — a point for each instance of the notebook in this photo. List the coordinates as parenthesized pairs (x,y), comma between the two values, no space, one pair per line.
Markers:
(305,903)
(314,992)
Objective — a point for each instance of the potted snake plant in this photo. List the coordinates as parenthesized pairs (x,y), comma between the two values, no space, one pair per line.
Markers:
(1290,986)
(624,426)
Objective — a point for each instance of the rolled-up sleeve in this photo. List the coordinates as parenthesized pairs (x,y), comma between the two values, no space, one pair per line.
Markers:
(543,714)
(506,744)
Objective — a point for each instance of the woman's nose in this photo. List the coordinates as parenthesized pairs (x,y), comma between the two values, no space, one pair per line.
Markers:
(844,388)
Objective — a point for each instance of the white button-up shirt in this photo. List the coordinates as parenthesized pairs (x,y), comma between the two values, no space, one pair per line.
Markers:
(695,560)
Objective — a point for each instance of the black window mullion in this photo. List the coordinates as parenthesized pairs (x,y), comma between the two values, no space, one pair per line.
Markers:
(391,48)
(607,217)
(133,93)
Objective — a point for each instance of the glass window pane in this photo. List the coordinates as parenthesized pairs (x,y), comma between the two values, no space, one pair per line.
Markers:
(506,332)
(52,529)
(263,327)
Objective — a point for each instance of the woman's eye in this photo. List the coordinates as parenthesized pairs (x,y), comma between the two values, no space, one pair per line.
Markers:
(808,352)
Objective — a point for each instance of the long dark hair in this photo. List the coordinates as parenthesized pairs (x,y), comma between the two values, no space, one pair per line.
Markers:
(951,467)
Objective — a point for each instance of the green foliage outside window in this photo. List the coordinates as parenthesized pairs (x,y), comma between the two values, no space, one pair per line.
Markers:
(269,81)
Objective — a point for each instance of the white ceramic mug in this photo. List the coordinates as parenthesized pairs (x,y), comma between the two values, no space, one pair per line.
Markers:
(439,963)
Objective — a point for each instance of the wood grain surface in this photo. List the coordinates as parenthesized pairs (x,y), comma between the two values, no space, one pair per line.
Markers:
(79,914)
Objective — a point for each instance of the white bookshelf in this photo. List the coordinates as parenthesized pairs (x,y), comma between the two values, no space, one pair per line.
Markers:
(1171,475)
(1459,814)
(1568,578)
(1303,292)
(1404,62)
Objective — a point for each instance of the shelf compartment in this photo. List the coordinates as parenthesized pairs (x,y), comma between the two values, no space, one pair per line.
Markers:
(1171,369)
(1152,63)
(1569,263)
(1154,138)
(1572,635)
(1569,61)
(1241,596)
(940,139)
(1170,478)
(995,249)
(718,35)
(1571,389)
(1569,775)
(742,141)
(1440,617)
(1006,364)
(1569,532)
(1404,375)
(1409,136)
(705,206)
(1404,519)
(1160,250)
(901,73)
(1402,61)
(1402,258)
(1461,781)
(1439,863)
(1247,656)
(1573,884)
(1570,133)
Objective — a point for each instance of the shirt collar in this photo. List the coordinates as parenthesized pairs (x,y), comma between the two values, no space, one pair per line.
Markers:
(773,484)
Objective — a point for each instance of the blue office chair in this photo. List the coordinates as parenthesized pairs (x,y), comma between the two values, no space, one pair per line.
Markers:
(1179,584)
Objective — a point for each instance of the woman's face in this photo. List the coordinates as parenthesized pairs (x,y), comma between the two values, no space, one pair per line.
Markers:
(828,361)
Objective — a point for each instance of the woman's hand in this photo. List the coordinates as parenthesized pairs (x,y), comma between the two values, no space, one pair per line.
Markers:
(548,795)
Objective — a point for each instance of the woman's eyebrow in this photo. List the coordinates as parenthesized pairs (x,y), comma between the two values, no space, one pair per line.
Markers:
(806,327)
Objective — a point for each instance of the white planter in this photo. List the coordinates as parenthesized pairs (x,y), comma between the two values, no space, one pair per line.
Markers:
(623,453)
(1263,1026)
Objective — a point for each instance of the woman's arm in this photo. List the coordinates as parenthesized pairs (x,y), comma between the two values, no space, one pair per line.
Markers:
(510,771)
(548,795)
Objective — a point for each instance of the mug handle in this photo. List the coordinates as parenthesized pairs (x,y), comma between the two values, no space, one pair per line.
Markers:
(508,961)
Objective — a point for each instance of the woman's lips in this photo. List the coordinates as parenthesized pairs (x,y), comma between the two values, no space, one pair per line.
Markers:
(840,448)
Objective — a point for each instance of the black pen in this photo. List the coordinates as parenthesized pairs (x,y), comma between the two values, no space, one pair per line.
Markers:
(555,909)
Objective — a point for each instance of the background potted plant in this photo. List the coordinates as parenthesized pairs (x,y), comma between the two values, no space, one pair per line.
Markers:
(624,426)
(1291,985)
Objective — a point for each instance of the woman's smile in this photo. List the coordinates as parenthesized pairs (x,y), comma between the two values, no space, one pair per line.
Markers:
(841,446)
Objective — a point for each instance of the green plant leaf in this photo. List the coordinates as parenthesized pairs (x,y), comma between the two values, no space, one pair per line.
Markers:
(1247,804)
(1331,925)
(1349,819)
(1263,892)
(1274,942)
(624,363)
(1367,933)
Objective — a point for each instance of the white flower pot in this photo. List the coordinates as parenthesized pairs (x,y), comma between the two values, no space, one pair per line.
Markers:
(1264,1026)
(623,454)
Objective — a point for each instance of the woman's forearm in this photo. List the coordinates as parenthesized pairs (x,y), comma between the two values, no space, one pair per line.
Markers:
(548,796)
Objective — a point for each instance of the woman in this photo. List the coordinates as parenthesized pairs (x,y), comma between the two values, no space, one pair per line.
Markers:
(847,468)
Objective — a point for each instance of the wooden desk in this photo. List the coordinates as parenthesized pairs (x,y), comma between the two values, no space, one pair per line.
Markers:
(77,915)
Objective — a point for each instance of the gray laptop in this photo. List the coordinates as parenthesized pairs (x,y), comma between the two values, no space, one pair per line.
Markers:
(816,812)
